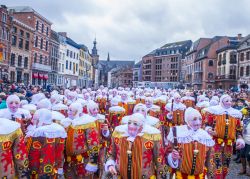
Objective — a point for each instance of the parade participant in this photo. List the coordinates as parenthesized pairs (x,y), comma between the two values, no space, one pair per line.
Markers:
(188,100)
(46,156)
(127,103)
(203,102)
(136,151)
(36,98)
(14,157)
(44,104)
(15,113)
(74,111)
(103,133)
(116,113)
(71,97)
(152,109)
(175,111)
(57,104)
(81,148)
(245,150)
(223,123)
(140,98)
(190,148)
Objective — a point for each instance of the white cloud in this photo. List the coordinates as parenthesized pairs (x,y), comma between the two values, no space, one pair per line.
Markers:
(129,29)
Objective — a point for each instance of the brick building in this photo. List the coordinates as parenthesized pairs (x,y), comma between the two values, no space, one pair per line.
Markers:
(205,63)
(122,77)
(40,51)
(164,63)
(227,65)
(53,57)
(188,63)
(21,52)
(5,42)
(243,54)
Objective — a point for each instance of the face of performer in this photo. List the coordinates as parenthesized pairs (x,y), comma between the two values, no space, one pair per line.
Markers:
(72,112)
(195,123)
(114,93)
(177,99)
(86,96)
(134,127)
(13,106)
(227,102)
(148,103)
(94,111)
(52,100)
(124,97)
(141,110)
(71,97)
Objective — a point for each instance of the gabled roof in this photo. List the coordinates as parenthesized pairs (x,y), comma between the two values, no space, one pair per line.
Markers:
(72,43)
(106,66)
(23,9)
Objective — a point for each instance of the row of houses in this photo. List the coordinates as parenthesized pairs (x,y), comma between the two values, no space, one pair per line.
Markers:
(31,52)
(218,62)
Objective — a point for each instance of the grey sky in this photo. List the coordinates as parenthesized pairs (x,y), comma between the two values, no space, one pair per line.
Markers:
(129,29)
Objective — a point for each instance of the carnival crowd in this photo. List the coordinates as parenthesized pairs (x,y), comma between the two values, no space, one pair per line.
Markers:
(127,133)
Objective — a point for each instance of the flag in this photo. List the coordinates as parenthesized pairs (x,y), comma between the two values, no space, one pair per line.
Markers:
(1,52)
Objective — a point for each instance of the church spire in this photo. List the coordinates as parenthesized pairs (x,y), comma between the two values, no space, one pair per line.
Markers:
(94,49)
(108,59)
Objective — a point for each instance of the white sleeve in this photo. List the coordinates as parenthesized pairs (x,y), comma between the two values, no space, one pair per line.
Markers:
(171,162)
(109,163)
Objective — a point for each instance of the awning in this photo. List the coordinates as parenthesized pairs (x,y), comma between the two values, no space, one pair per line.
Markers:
(45,76)
(35,75)
(40,76)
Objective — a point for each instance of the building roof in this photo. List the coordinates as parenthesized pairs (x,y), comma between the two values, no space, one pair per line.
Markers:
(106,66)
(72,43)
(138,64)
(54,36)
(23,9)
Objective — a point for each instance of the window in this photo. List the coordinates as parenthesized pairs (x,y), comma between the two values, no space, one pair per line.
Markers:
(70,54)
(46,46)
(241,71)
(41,59)
(74,55)
(59,67)
(76,67)
(27,44)
(210,76)
(21,33)
(46,61)
(67,64)
(70,66)
(248,70)
(37,25)
(67,53)
(47,31)
(13,40)
(19,63)
(27,35)
(20,43)
(62,67)
(248,56)
(42,28)
(41,45)
(241,56)
(211,63)
(12,59)
(14,29)
(4,17)
(26,62)
(36,41)
(35,57)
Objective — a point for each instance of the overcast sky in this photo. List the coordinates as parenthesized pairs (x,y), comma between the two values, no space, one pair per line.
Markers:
(129,29)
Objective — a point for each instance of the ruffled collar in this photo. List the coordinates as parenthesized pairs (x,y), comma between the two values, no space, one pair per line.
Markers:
(219,110)
(176,106)
(50,131)
(185,135)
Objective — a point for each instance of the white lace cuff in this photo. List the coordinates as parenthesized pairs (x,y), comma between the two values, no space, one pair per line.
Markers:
(91,167)
(109,163)
(171,162)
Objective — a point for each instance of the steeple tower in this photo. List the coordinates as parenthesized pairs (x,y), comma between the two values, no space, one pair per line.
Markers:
(108,59)
(94,49)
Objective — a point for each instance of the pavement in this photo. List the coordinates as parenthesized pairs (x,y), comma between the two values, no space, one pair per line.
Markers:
(234,170)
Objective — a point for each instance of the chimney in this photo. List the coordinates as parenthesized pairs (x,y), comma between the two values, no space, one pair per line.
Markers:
(239,36)
(64,34)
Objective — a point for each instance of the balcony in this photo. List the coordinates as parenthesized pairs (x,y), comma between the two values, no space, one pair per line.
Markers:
(197,82)
(42,67)
(198,70)
(225,77)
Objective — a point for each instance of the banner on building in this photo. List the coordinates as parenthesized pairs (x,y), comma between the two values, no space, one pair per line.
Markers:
(1,52)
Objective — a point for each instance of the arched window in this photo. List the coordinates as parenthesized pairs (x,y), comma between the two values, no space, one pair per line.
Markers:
(248,70)
(241,71)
